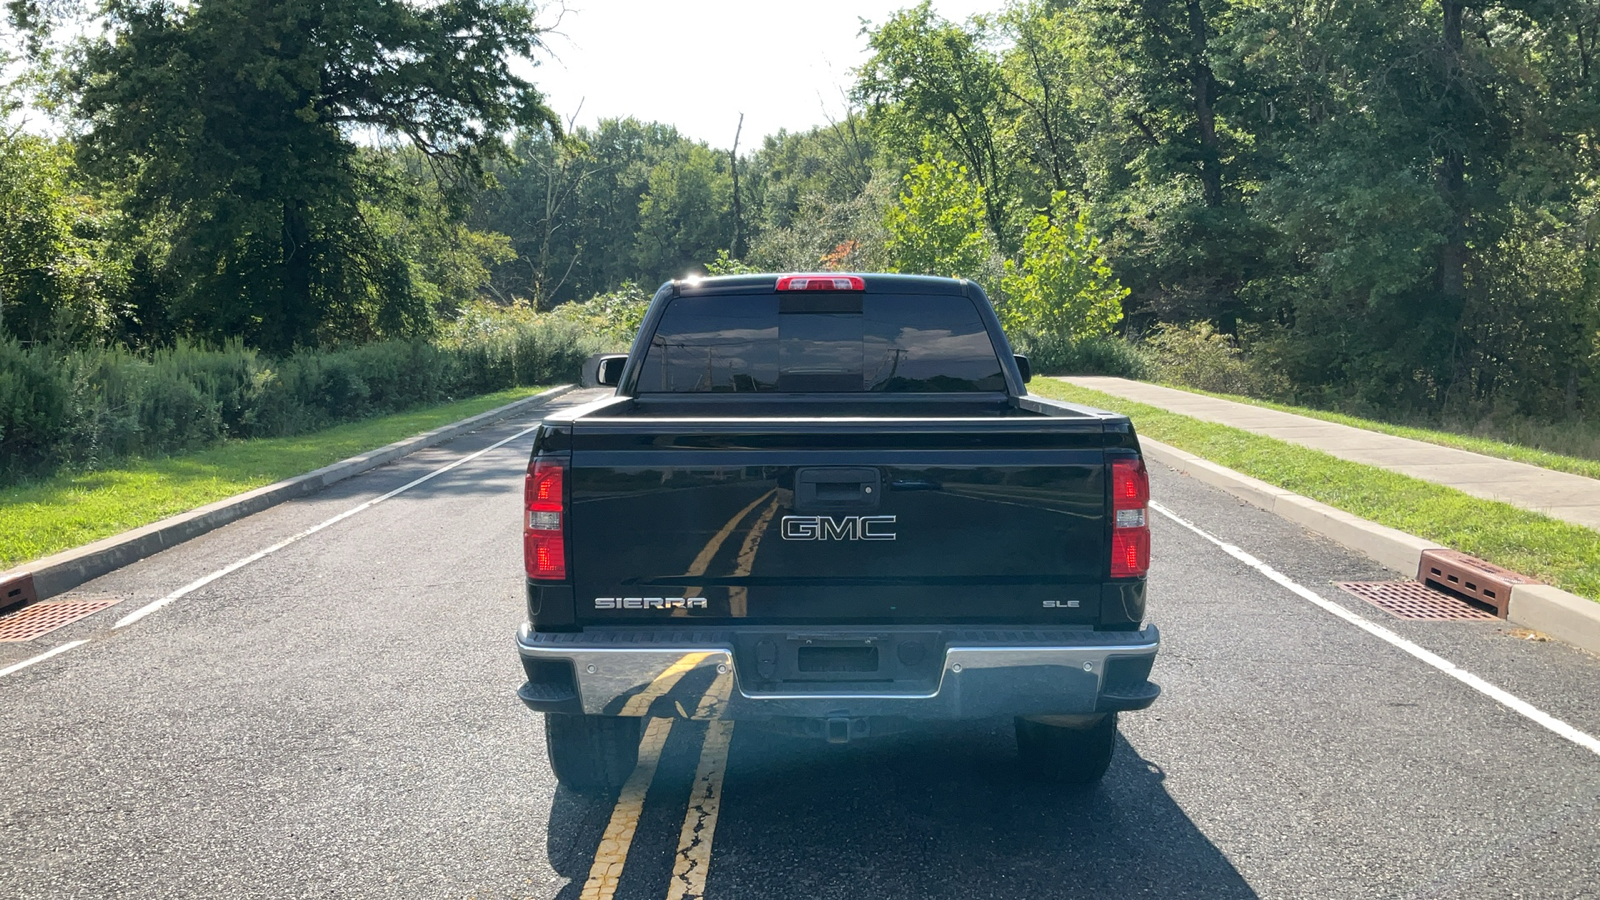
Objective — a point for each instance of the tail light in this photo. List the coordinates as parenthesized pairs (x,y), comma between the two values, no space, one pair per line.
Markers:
(544,528)
(822,283)
(1130,526)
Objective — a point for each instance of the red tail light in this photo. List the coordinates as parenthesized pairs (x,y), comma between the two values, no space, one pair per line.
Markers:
(1130,526)
(822,282)
(544,524)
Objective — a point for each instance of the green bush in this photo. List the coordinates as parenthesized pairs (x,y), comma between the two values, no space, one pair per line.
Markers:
(496,347)
(1052,354)
(83,408)
(35,396)
(1199,356)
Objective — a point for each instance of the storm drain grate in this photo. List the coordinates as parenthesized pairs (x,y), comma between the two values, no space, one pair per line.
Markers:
(37,619)
(1413,600)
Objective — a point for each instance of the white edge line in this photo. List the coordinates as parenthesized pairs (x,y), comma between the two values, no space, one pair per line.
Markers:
(1499,695)
(41,657)
(198,583)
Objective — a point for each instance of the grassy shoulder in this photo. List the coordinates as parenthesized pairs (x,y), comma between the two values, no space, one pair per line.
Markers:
(1575,465)
(54,514)
(1556,552)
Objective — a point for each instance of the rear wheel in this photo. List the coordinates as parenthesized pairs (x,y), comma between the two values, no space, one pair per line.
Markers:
(1067,753)
(590,754)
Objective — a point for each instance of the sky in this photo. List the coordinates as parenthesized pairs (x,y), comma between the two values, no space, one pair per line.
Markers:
(697,64)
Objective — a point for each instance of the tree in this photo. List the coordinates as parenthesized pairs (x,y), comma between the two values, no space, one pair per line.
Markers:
(930,77)
(1062,287)
(573,207)
(59,277)
(1041,71)
(686,214)
(938,227)
(240,120)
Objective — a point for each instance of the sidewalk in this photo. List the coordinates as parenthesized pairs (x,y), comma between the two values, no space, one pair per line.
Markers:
(1570,498)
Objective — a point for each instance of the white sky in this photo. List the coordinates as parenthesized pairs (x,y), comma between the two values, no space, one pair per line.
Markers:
(697,64)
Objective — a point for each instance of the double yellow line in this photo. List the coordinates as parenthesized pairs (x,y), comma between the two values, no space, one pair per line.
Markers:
(693,859)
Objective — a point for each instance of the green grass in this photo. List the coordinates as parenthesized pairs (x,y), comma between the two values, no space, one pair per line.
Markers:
(1487,446)
(1555,552)
(53,514)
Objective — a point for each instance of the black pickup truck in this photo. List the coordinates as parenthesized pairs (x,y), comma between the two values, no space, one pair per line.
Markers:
(828,503)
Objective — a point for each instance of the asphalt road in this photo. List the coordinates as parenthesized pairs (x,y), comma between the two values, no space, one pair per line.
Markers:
(337,720)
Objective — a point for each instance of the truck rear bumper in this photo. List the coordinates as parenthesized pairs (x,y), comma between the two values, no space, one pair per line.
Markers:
(696,674)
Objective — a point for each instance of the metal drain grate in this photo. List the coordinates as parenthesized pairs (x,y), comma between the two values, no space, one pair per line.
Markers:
(1413,600)
(38,619)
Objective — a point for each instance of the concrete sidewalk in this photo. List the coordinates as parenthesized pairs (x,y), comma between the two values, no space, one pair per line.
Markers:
(1571,498)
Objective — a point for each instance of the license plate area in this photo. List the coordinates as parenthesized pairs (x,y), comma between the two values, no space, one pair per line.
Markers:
(780,662)
(860,660)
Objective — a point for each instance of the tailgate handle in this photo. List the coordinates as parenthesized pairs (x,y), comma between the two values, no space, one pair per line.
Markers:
(829,489)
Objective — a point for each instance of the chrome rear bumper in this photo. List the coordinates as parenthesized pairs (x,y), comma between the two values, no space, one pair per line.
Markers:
(986,672)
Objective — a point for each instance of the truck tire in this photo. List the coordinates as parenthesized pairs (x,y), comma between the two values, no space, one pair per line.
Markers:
(591,754)
(1066,754)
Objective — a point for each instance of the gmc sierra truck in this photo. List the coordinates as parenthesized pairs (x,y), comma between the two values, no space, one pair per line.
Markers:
(828,503)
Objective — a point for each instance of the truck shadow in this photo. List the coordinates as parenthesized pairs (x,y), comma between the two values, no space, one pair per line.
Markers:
(919,814)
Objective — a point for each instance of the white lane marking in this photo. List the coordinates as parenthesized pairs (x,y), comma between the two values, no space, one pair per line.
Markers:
(197,584)
(1504,698)
(41,657)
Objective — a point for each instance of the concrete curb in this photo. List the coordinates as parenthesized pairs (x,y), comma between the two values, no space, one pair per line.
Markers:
(1562,615)
(66,570)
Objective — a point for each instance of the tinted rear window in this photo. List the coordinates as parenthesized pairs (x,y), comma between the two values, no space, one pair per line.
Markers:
(820,342)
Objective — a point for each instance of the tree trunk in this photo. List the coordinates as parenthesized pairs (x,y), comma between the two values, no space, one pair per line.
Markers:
(1057,154)
(737,250)
(1204,95)
(1452,173)
(296,320)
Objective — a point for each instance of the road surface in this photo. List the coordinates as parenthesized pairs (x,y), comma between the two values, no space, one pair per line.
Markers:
(337,719)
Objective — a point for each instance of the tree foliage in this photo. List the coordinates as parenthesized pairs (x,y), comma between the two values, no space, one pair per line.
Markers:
(1062,287)
(1386,206)
(237,121)
(938,228)
(59,275)
(928,77)
(1390,206)
(625,201)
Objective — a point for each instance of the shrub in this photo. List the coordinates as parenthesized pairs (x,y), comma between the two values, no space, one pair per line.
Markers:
(1054,354)
(83,408)
(35,396)
(1199,356)
(938,227)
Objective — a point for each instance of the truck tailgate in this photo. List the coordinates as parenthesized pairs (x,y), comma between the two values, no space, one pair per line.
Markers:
(848,520)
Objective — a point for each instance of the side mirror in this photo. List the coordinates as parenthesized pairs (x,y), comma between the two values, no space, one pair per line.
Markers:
(609,372)
(1024,367)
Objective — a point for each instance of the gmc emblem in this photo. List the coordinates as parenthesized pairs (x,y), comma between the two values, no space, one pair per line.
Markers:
(827,528)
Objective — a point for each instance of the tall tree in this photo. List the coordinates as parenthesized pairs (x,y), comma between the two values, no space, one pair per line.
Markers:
(574,206)
(242,119)
(931,78)
(686,215)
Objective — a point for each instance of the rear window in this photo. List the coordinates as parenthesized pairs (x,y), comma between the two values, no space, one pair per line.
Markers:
(820,342)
